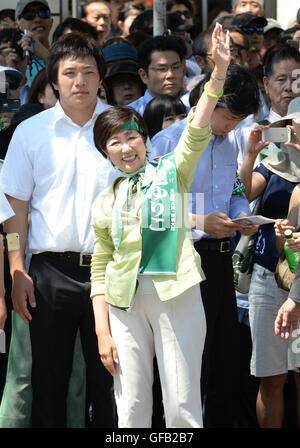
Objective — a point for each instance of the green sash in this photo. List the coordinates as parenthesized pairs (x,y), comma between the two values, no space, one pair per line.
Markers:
(159,220)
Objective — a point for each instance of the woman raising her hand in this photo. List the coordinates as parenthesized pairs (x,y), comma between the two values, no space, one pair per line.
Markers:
(145,273)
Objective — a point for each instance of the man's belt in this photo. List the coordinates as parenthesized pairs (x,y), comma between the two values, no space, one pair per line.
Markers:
(214,245)
(71,257)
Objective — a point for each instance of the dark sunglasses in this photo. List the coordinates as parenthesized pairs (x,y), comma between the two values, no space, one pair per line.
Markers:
(31,13)
(186,14)
(253,29)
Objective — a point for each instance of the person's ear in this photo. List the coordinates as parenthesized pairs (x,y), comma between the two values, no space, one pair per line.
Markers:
(266,84)
(201,62)
(120,24)
(143,75)
(40,97)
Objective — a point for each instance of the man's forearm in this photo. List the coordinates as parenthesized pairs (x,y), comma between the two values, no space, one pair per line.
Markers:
(17,224)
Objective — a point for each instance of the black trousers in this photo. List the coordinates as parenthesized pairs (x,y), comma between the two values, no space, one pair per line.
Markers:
(220,357)
(62,291)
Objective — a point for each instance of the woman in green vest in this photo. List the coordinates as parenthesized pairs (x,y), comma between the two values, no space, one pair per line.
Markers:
(145,272)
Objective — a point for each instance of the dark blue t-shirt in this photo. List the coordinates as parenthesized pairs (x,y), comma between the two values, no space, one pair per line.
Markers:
(274,204)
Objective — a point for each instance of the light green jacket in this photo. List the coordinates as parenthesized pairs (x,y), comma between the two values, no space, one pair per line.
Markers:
(114,272)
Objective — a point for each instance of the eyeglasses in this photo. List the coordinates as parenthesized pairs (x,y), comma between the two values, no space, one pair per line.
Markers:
(30,14)
(163,69)
(187,14)
(253,29)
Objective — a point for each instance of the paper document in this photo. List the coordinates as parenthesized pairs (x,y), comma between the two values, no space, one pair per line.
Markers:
(254,220)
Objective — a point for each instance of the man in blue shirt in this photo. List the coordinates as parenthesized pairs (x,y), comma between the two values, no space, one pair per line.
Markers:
(214,203)
(163,68)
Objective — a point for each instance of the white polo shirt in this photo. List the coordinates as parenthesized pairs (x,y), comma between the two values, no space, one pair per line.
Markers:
(53,163)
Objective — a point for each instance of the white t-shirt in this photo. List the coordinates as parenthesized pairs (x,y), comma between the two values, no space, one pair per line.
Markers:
(53,163)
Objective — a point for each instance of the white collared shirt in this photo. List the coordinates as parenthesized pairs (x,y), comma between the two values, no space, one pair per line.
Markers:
(53,163)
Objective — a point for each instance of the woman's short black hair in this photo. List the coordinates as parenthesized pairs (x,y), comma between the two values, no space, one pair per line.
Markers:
(241,92)
(160,107)
(113,119)
(277,54)
(77,46)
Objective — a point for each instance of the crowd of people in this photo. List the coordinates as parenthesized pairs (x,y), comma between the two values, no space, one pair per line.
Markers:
(117,294)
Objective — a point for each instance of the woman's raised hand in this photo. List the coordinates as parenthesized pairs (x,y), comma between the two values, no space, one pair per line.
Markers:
(221,48)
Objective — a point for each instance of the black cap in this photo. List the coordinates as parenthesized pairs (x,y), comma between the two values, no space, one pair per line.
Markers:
(128,68)
(123,68)
(176,23)
(246,18)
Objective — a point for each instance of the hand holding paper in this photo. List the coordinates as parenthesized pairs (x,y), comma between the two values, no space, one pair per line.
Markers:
(256,220)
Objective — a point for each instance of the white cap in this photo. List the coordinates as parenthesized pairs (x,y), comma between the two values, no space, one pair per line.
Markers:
(12,72)
(272,24)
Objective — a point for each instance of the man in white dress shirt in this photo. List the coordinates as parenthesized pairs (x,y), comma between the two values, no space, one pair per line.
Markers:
(53,170)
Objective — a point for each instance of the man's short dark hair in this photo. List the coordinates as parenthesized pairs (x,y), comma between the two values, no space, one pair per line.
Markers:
(143,22)
(10,13)
(201,43)
(187,3)
(158,43)
(77,46)
(278,54)
(74,25)
(241,92)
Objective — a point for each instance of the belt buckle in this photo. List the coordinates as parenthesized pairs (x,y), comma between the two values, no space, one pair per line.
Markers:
(84,260)
(225,247)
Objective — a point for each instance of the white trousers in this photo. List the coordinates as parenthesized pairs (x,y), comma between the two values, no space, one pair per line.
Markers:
(173,330)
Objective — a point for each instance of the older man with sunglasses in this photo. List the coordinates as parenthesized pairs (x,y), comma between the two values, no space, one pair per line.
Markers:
(35,18)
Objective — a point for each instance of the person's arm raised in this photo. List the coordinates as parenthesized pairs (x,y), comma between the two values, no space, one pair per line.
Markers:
(214,88)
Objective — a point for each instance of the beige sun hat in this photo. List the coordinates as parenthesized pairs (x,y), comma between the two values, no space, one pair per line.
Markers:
(286,162)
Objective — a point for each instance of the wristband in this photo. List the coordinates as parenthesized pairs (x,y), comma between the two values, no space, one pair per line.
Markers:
(217,79)
(11,241)
(212,95)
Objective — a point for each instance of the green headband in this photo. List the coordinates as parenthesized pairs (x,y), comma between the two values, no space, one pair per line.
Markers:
(129,124)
